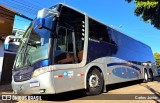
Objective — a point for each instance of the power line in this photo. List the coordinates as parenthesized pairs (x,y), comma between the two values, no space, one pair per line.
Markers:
(24,4)
(29,5)
(43,5)
(8,14)
(19,6)
(27,11)
(30,14)
(64,1)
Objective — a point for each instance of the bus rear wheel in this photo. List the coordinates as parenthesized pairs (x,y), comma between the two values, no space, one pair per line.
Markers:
(94,82)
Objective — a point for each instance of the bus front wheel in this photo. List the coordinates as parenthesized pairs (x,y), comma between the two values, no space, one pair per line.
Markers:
(94,82)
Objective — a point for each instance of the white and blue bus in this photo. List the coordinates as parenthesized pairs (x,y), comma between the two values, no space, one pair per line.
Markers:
(65,50)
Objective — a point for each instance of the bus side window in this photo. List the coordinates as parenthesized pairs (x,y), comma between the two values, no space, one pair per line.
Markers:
(98,31)
(79,45)
(112,34)
(64,50)
(76,22)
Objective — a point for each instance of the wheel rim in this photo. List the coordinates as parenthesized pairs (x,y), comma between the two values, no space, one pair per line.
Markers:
(94,81)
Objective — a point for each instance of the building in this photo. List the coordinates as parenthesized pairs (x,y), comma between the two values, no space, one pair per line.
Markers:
(7,17)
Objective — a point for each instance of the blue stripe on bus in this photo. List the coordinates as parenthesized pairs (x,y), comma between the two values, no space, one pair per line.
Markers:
(124,64)
(42,63)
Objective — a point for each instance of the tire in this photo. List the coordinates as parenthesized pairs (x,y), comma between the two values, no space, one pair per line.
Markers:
(146,79)
(94,82)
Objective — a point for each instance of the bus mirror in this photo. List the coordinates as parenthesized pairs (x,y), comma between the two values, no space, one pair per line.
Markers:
(40,23)
(41,18)
(42,14)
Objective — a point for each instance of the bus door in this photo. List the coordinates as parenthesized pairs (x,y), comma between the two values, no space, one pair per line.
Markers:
(65,52)
(66,62)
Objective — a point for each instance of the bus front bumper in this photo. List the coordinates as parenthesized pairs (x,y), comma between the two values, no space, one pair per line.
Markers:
(42,84)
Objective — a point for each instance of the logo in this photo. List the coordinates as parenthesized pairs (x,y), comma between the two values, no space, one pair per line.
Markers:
(6,97)
(21,88)
(65,73)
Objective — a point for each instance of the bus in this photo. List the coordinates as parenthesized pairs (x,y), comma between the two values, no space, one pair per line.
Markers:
(64,50)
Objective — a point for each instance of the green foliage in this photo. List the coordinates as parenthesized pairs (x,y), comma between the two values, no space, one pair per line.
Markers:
(157,58)
(148,10)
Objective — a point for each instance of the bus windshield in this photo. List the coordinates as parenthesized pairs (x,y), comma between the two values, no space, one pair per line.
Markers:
(35,46)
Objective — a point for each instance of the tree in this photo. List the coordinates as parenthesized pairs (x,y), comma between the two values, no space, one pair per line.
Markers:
(148,10)
(157,58)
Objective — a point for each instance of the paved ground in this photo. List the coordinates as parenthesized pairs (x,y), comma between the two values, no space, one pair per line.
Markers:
(126,91)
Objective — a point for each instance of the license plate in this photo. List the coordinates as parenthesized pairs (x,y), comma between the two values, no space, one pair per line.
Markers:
(34,84)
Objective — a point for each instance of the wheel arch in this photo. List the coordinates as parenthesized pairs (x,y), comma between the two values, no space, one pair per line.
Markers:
(151,75)
(145,69)
(91,68)
(149,70)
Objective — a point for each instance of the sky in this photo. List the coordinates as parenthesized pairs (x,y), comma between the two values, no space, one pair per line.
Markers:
(21,23)
(116,13)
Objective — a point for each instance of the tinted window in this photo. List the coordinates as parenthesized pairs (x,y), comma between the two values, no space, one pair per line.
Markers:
(112,34)
(98,31)
(64,49)
(71,39)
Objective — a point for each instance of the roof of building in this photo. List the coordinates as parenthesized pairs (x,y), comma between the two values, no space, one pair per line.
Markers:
(10,12)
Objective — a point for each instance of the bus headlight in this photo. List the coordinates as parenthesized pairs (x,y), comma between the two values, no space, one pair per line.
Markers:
(41,71)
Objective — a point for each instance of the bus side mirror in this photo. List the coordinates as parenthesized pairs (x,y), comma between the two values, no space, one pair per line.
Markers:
(40,22)
(41,18)
(42,14)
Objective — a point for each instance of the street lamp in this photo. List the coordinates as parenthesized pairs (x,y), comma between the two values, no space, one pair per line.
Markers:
(120,26)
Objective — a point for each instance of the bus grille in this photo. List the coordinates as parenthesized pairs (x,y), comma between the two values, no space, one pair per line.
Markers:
(22,77)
